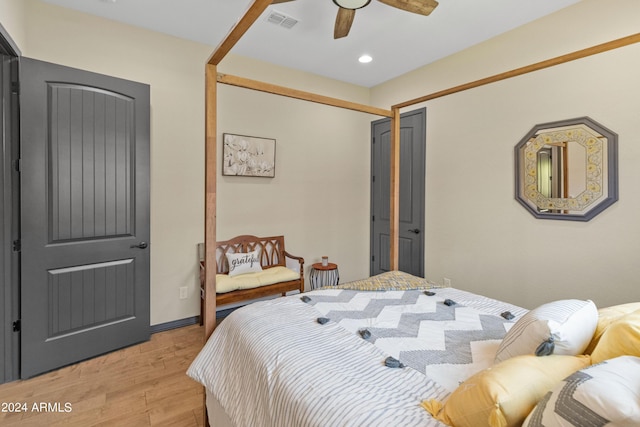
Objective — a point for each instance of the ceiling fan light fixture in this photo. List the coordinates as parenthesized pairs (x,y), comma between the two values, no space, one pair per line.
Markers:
(352,4)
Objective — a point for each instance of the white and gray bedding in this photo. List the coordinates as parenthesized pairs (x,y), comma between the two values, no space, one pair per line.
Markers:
(273,364)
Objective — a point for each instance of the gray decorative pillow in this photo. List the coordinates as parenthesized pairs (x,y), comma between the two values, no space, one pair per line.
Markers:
(604,394)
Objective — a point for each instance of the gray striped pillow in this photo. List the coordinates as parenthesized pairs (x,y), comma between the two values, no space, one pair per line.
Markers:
(604,394)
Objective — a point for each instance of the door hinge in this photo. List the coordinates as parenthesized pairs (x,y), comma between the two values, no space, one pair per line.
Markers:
(373,217)
(16,326)
(373,178)
(373,258)
(17,165)
(17,245)
(15,87)
(373,140)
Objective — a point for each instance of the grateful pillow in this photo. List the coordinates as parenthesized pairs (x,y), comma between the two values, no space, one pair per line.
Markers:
(559,327)
(606,393)
(241,263)
(504,394)
(621,338)
(606,316)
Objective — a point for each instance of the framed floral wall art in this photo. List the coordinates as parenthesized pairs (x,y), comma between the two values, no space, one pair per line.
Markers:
(248,156)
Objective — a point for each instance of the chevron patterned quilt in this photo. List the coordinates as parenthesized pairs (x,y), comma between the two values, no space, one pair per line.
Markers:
(323,359)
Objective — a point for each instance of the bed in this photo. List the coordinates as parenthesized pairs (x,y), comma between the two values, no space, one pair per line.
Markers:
(391,350)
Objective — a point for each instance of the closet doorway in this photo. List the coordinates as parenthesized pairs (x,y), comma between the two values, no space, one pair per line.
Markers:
(412,193)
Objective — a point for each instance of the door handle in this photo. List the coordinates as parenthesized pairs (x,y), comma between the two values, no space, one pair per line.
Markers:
(415,230)
(141,245)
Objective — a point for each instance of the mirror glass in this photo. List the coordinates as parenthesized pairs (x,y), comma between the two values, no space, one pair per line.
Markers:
(567,169)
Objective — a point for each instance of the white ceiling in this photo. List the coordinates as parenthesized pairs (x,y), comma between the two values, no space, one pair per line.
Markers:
(398,41)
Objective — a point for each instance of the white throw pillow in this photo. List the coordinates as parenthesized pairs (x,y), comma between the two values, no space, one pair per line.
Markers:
(568,324)
(241,263)
(606,393)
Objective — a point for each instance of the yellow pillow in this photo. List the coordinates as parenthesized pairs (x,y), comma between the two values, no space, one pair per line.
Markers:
(504,394)
(621,338)
(606,316)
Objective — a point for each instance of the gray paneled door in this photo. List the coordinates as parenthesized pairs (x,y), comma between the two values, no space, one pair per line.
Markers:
(85,214)
(412,193)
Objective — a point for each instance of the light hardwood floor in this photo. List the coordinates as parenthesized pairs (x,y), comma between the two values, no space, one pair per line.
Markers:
(142,385)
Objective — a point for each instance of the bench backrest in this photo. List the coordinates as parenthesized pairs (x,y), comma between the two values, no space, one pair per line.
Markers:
(270,250)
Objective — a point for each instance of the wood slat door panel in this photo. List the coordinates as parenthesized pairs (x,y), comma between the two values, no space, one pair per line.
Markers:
(91,162)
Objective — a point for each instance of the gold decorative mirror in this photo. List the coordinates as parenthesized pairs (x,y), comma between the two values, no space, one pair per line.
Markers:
(567,169)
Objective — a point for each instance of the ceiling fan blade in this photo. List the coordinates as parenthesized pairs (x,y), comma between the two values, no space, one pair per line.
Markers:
(279,1)
(344,19)
(421,7)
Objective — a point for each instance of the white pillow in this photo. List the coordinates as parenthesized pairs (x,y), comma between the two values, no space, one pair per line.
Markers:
(570,324)
(241,263)
(606,393)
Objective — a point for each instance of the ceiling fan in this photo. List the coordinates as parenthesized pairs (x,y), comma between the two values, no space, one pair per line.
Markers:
(347,11)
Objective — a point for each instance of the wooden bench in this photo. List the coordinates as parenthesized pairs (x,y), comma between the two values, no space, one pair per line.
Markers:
(271,253)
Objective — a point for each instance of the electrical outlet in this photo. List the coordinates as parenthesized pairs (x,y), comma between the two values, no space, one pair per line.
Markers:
(183,292)
(447,282)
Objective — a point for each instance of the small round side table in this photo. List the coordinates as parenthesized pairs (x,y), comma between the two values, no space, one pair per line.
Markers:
(323,275)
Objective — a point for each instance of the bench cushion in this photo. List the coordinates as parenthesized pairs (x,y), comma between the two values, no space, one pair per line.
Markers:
(268,276)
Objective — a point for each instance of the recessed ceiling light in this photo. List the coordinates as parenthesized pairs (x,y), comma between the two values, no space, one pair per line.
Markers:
(365,59)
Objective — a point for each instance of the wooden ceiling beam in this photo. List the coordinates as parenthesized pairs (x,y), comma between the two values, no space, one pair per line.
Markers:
(238,30)
(299,94)
(593,50)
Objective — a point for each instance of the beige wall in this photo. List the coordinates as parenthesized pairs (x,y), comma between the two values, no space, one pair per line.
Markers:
(12,18)
(476,233)
(173,68)
(319,197)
